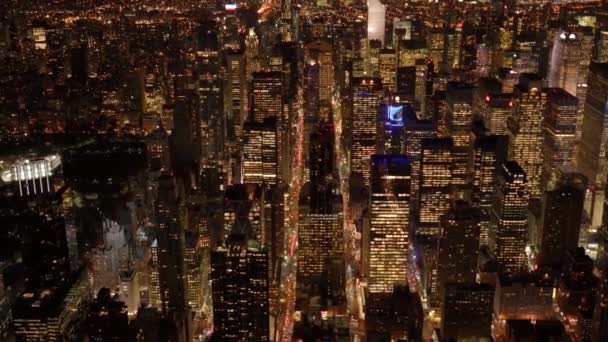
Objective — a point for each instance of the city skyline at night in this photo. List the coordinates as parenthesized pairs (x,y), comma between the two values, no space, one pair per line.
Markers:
(303,171)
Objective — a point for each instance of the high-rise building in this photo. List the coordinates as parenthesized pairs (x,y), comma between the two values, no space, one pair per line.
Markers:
(367,95)
(435,183)
(376,17)
(525,130)
(396,316)
(170,247)
(387,63)
(260,152)
(210,90)
(239,280)
(489,152)
(107,319)
(564,65)
(467,312)
(561,215)
(38,223)
(495,111)
(511,217)
(389,235)
(459,117)
(591,156)
(157,146)
(53,313)
(559,133)
(458,247)
(235,92)
(320,231)
(266,95)
(321,53)
(524,296)
(414,131)
(321,157)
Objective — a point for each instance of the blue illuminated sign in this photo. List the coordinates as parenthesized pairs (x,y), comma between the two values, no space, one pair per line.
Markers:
(395,116)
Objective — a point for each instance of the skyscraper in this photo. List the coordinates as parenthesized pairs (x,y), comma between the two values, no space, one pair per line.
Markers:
(239,279)
(235,91)
(559,132)
(562,211)
(525,130)
(458,247)
(489,152)
(376,17)
(320,231)
(511,217)
(435,181)
(389,235)
(387,63)
(459,116)
(170,247)
(591,156)
(266,95)
(565,56)
(367,95)
(321,53)
(467,311)
(260,152)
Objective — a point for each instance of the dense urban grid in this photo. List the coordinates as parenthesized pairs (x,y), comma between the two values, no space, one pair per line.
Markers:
(283,170)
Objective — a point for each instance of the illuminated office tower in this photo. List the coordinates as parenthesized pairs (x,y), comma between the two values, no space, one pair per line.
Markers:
(54,313)
(389,228)
(489,152)
(266,95)
(387,61)
(420,90)
(525,130)
(260,152)
(496,110)
(267,89)
(565,58)
(453,49)
(414,131)
(170,250)
(321,53)
(406,83)
(239,281)
(559,132)
(591,156)
(459,99)
(411,51)
(129,289)
(157,146)
(458,247)
(252,51)
(372,60)
(561,217)
(601,47)
(320,232)
(235,90)
(321,154)
(436,162)
(376,16)
(467,312)
(435,42)
(367,95)
(210,90)
(511,217)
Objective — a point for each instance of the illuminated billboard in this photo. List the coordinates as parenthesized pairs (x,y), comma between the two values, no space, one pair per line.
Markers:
(394,116)
(230,7)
